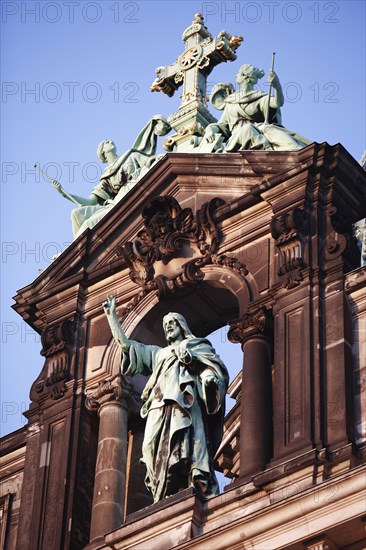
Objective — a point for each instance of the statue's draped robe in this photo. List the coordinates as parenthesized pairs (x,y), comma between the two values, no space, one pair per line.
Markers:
(183,422)
(242,123)
(118,178)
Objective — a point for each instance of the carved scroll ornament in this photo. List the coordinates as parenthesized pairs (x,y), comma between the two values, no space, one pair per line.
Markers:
(57,342)
(172,232)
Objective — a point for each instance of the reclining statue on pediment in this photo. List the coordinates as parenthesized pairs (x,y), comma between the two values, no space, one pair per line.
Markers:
(122,173)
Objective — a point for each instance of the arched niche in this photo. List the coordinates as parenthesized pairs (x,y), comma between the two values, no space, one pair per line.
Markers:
(223,295)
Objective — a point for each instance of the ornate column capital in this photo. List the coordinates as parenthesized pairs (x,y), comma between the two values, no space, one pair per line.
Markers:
(257,322)
(113,390)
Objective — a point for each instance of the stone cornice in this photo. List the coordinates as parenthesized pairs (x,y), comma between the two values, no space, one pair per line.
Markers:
(13,441)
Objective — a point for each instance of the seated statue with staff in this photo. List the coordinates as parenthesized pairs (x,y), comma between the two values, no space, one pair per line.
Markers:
(184,405)
(251,119)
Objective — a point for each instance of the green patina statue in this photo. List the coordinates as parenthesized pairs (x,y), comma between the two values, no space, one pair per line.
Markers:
(251,118)
(123,172)
(184,405)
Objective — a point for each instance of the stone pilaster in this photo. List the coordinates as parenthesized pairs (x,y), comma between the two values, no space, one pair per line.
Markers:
(110,399)
(254,332)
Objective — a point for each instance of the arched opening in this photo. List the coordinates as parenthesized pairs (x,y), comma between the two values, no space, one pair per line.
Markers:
(207,310)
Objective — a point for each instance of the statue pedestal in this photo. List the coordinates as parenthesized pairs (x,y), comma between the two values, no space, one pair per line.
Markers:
(189,122)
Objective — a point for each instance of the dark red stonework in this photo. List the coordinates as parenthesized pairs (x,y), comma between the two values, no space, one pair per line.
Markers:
(271,260)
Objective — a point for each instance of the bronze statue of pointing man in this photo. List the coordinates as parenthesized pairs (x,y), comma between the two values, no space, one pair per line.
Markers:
(184,405)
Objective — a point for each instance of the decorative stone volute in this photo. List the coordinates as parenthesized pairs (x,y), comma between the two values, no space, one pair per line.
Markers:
(57,342)
(57,338)
(172,233)
(336,241)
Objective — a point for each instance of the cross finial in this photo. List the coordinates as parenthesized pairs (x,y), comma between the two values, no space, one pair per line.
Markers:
(191,68)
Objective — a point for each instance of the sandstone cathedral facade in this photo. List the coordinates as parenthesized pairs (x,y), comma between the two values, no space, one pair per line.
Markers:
(294,444)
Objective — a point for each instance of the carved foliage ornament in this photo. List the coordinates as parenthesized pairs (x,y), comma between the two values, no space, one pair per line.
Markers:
(172,232)
(288,232)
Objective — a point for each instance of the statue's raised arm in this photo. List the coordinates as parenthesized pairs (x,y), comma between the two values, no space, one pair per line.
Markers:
(80,201)
(277,100)
(118,333)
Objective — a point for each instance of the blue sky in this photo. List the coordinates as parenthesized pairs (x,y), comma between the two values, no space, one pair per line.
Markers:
(74,73)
